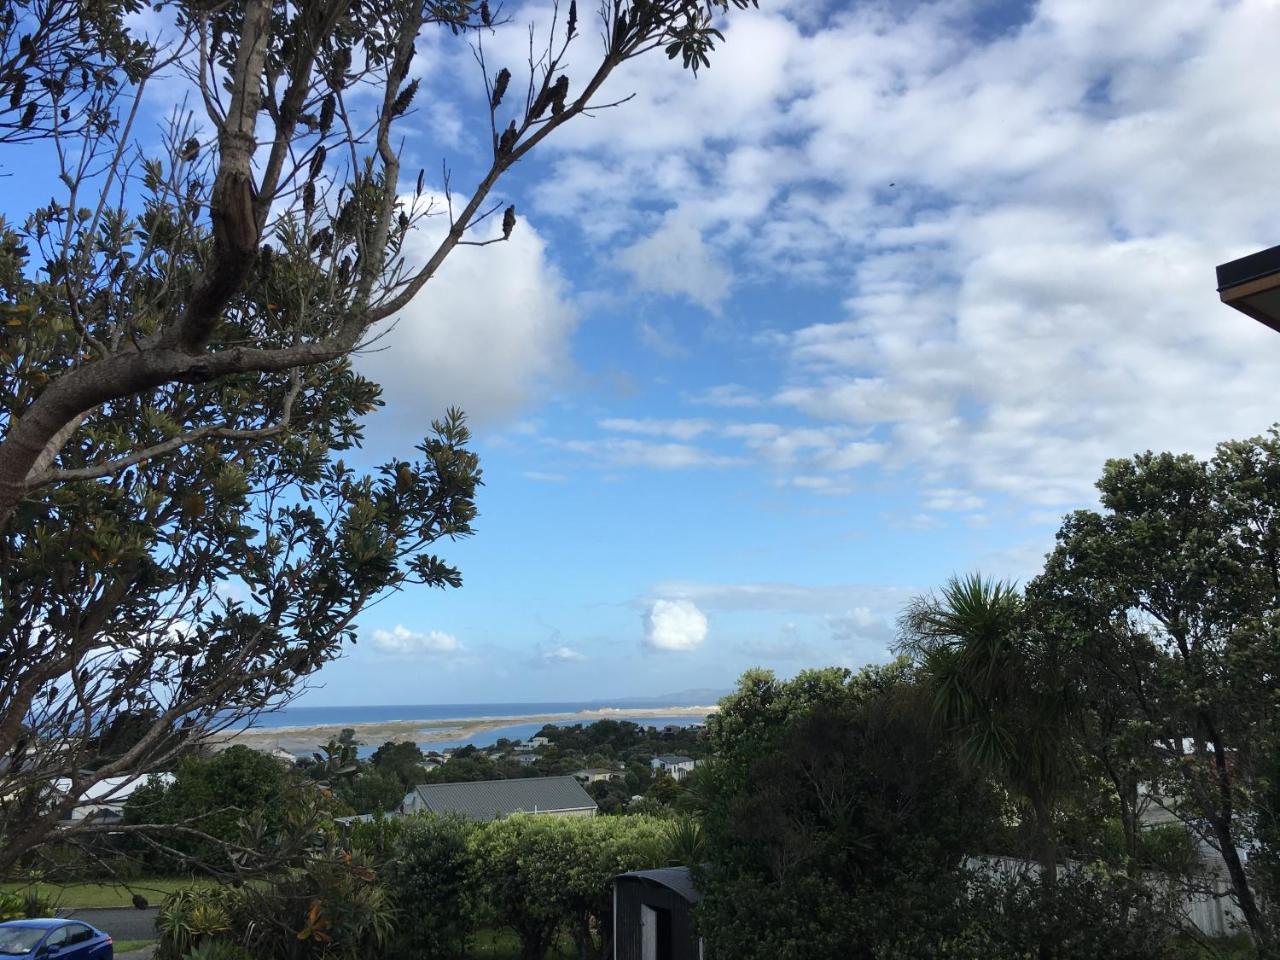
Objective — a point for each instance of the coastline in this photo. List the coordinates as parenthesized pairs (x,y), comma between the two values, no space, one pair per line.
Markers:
(303,739)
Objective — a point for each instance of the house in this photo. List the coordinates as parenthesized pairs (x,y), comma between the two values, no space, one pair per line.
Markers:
(653,916)
(106,798)
(494,799)
(525,759)
(679,767)
(596,774)
(536,742)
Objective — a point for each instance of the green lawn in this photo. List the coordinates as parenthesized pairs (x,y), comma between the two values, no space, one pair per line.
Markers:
(124,946)
(504,945)
(75,895)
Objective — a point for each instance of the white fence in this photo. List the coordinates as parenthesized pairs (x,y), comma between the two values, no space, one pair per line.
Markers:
(1210,909)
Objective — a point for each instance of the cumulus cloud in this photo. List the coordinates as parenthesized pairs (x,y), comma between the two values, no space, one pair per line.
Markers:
(656,456)
(675,260)
(401,641)
(674,625)
(488,333)
(685,429)
(1026,224)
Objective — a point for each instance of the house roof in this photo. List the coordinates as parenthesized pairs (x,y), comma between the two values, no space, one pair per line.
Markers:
(109,789)
(670,758)
(676,879)
(493,799)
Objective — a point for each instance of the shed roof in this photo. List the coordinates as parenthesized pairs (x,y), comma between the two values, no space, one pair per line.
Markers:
(675,879)
(670,758)
(492,799)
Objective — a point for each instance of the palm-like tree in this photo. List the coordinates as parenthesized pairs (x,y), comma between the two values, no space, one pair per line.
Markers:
(999,689)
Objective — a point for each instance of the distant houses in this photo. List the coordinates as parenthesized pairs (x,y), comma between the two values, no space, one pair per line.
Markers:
(678,766)
(596,774)
(485,800)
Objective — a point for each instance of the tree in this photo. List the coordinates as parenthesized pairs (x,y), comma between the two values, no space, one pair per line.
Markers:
(1002,688)
(62,63)
(541,875)
(434,885)
(403,760)
(214,796)
(838,821)
(178,534)
(1171,593)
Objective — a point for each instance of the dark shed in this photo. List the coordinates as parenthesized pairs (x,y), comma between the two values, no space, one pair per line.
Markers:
(653,916)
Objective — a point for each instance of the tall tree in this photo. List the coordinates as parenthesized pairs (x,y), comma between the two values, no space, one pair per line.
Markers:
(178,536)
(1172,592)
(837,819)
(1001,687)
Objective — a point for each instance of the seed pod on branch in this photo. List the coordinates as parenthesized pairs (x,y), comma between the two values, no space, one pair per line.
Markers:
(317,163)
(508,222)
(559,91)
(507,142)
(326,112)
(405,97)
(573,20)
(485,16)
(500,87)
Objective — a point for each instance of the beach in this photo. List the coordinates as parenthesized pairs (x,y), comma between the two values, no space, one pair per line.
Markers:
(304,739)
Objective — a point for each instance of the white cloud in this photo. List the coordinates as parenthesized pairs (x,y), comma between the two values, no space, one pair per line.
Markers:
(401,641)
(674,260)
(726,395)
(675,625)
(561,654)
(655,456)
(489,333)
(1034,294)
(675,429)
(789,597)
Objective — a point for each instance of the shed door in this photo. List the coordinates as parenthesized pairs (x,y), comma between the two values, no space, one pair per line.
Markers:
(655,934)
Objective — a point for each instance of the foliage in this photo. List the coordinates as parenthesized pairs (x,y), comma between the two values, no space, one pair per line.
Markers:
(541,874)
(1091,914)
(180,538)
(838,818)
(371,791)
(434,886)
(218,950)
(403,761)
(1171,595)
(1002,688)
(214,794)
(189,917)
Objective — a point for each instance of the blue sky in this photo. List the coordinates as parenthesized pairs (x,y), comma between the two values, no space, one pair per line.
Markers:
(867,304)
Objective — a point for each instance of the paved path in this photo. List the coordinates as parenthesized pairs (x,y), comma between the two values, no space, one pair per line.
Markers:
(123,923)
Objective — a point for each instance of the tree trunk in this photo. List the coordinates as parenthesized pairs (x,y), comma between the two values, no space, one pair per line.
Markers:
(1240,882)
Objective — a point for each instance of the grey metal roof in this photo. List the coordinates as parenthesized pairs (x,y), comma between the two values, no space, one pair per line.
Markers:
(492,799)
(673,758)
(676,879)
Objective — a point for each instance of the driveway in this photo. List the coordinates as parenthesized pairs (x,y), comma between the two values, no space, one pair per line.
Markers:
(123,923)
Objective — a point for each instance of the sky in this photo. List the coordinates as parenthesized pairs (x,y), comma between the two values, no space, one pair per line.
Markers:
(866,304)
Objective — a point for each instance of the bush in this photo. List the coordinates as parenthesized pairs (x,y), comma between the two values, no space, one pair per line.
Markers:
(433,886)
(1093,914)
(189,918)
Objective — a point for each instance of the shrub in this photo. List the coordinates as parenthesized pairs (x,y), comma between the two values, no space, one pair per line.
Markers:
(434,886)
(189,918)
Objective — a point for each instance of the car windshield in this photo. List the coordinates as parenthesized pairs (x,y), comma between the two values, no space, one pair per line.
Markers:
(15,941)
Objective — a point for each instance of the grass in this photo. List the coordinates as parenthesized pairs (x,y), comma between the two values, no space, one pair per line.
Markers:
(504,945)
(105,894)
(124,946)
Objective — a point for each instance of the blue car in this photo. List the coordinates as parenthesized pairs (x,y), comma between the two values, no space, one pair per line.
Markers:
(63,939)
